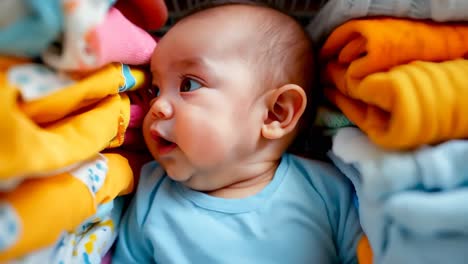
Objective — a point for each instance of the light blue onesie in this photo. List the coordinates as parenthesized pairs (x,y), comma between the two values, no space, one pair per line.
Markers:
(304,215)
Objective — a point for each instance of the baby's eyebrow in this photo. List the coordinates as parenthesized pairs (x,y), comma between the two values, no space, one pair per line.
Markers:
(197,64)
(191,62)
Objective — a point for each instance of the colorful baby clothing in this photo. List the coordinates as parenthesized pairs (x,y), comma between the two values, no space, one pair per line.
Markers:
(87,244)
(79,120)
(64,76)
(79,18)
(60,203)
(30,26)
(91,44)
(94,241)
(80,35)
(110,41)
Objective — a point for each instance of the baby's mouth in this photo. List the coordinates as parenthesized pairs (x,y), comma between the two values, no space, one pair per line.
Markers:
(164,142)
(165,146)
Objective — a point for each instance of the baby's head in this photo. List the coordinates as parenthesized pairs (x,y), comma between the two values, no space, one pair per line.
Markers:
(232,82)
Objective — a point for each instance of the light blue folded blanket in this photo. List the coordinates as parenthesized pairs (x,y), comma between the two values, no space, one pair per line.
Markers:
(413,205)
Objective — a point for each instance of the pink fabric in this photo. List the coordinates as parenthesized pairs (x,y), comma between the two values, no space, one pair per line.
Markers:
(119,40)
(133,139)
(107,259)
(140,101)
(136,116)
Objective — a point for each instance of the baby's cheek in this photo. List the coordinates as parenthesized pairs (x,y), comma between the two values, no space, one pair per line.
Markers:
(204,140)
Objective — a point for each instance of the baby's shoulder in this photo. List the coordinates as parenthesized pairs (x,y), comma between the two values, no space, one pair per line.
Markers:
(315,169)
(323,177)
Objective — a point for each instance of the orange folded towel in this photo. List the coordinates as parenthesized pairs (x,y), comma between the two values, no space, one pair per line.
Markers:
(361,47)
(381,86)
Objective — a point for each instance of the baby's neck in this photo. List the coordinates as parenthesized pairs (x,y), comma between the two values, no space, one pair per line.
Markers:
(240,178)
(248,186)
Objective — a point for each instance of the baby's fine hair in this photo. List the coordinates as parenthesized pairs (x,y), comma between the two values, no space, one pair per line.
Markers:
(282,51)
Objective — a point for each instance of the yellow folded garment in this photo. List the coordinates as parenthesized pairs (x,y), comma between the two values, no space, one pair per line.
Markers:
(87,90)
(28,148)
(41,209)
(364,251)
(361,47)
(406,107)
(67,125)
(410,105)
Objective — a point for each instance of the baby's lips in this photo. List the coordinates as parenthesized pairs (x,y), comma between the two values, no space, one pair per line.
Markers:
(155,135)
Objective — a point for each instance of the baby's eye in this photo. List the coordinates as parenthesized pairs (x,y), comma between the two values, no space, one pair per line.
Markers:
(153,91)
(189,85)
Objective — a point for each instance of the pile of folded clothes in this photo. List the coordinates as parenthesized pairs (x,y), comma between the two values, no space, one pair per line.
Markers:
(67,71)
(397,70)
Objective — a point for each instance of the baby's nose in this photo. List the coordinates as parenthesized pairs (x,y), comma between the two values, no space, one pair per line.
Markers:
(162,109)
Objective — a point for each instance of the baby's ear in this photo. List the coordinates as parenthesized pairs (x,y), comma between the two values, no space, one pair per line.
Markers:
(285,107)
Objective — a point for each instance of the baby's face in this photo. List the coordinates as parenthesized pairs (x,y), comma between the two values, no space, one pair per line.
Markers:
(209,111)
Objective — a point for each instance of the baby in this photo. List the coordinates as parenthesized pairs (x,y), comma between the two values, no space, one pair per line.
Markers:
(231,84)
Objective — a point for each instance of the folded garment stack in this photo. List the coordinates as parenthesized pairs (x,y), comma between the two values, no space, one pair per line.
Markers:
(67,73)
(398,70)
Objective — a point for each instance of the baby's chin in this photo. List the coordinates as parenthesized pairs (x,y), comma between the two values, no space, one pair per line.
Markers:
(190,181)
(177,174)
